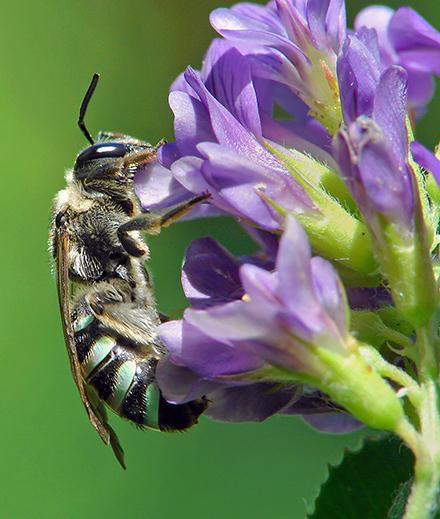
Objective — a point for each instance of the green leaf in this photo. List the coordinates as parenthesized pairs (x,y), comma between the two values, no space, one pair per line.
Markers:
(371,483)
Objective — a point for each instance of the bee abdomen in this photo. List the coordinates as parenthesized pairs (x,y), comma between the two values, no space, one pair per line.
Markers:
(141,404)
(126,383)
(145,406)
(178,417)
(114,375)
(120,379)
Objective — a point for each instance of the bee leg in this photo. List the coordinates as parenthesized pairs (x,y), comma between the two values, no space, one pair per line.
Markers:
(99,299)
(114,310)
(163,317)
(151,223)
(133,160)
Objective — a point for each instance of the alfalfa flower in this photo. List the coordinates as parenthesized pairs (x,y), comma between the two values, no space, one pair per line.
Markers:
(219,145)
(301,130)
(408,40)
(222,147)
(290,326)
(373,154)
(294,44)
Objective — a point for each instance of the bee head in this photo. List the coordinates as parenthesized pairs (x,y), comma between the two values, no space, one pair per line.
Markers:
(112,159)
(101,150)
(102,161)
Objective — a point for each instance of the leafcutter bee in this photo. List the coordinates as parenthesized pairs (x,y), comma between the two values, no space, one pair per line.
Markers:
(107,306)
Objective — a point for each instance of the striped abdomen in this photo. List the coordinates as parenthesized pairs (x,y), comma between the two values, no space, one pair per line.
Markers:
(125,378)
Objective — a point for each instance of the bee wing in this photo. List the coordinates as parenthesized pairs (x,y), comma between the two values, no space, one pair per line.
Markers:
(102,412)
(95,411)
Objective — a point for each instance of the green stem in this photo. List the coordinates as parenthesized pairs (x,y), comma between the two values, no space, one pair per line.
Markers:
(423,501)
(427,361)
(387,370)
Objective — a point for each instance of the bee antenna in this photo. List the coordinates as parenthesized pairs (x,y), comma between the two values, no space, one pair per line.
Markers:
(84,106)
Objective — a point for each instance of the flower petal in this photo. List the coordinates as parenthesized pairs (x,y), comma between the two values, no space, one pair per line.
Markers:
(421,88)
(426,159)
(210,274)
(250,403)
(228,131)
(191,122)
(336,24)
(179,384)
(190,347)
(339,423)
(259,284)
(237,94)
(358,75)
(377,179)
(390,109)
(293,267)
(239,27)
(378,17)
(156,188)
(233,321)
(416,41)
(330,292)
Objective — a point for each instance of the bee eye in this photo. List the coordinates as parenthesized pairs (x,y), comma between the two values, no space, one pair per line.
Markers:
(101,151)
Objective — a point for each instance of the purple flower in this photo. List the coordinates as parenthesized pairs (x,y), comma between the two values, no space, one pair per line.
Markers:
(210,274)
(204,360)
(373,155)
(287,54)
(285,312)
(426,159)
(219,146)
(228,401)
(251,402)
(322,414)
(282,315)
(249,345)
(294,44)
(210,277)
(406,39)
(373,149)
(270,334)
(359,69)
(156,188)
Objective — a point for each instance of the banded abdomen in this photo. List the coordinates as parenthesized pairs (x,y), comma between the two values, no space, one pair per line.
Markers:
(122,372)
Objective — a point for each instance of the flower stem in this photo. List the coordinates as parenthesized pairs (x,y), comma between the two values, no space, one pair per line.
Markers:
(409,385)
(423,500)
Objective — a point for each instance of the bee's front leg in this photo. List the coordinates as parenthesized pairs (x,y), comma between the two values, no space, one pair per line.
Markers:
(152,223)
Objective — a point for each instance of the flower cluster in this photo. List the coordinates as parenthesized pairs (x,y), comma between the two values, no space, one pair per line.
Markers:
(301,130)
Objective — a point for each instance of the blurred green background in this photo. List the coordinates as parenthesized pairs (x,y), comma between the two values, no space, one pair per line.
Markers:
(52,463)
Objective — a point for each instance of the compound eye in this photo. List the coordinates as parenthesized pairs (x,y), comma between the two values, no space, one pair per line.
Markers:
(102,151)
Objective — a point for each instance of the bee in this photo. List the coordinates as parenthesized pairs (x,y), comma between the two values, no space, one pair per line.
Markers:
(108,311)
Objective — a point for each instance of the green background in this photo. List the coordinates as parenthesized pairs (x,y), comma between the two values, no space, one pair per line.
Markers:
(52,464)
